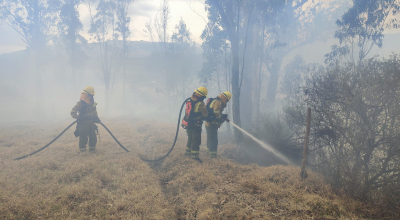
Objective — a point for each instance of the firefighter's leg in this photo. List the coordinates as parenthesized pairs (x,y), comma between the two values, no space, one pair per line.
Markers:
(189,142)
(92,137)
(208,138)
(212,140)
(83,135)
(196,142)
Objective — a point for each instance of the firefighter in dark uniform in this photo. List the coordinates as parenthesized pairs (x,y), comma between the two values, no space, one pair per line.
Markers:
(193,122)
(87,118)
(215,118)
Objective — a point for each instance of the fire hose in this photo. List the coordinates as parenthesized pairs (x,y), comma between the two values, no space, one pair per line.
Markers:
(176,137)
(69,126)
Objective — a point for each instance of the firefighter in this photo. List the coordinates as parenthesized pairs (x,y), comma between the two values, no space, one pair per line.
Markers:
(87,118)
(193,122)
(215,118)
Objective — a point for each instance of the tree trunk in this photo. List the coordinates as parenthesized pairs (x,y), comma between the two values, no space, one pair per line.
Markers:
(273,83)
(107,76)
(247,85)
(37,47)
(227,83)
(124,69)
(257,70)
(236,89)
(303,173)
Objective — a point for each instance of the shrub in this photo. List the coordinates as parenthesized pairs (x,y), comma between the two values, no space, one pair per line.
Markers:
(355,126)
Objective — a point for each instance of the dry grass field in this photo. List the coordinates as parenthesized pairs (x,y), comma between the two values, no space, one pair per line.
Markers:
(61,183)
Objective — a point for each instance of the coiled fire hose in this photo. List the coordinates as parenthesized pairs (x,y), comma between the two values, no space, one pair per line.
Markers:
(176,137)
(69,126)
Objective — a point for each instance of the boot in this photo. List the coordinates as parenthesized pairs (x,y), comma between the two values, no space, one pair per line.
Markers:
(213,154)
(197,159)
(92,149)
(188,152)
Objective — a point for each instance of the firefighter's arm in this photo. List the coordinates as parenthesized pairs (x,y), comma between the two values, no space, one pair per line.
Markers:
(75,109)
(96,116)
(217,112)
(203,110)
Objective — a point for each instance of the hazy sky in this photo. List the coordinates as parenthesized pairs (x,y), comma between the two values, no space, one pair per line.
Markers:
(140,11)
(191,11)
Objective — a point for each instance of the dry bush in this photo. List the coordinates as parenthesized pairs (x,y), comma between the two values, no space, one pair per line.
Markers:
(355,128)
(60,183)
(220,189)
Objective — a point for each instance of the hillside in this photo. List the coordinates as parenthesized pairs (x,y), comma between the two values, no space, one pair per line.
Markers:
(60,183)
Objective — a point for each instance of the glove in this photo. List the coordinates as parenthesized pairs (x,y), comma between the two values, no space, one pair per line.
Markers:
(97,120)
(225,117)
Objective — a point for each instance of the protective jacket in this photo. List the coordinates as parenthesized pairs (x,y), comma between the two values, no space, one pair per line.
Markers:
(86,109)
(195,113)
(87,118)
(215,107)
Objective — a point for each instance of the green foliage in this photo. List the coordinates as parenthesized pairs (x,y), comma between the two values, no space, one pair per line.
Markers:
(363,26)
(33,20)
(123,18)
(69,24)
(69,35)
(181,52)
(181,38)
(214,45)
(103,21)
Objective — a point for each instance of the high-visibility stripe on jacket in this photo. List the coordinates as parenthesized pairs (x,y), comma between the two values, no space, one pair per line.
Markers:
(195,111)
(218,106)
(84,110)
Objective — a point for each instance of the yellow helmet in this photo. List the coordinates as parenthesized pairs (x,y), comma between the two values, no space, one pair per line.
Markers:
(228,95)
(89,90)
(202,91)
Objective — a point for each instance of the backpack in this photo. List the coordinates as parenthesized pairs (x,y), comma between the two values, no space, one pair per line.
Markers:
(211,116)
(190,116)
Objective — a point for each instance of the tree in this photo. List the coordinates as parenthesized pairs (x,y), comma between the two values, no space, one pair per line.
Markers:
(123,23)
(361,28)
(32,20)
(160,28)
(226,16)
(355,126)
(295,74)
(296,24)
(70,28)
(182,49)
(217,65)
(103,29)
(161,22)
(265,32)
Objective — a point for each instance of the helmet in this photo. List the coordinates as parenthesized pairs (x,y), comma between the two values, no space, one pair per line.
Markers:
(202,91)
(89,90)
(228,95)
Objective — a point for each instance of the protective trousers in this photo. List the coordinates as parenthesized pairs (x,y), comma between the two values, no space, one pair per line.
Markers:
(87,129)
(194,141)
(212,139)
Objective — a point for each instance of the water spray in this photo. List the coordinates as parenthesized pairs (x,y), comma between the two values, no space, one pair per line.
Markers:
(262,144)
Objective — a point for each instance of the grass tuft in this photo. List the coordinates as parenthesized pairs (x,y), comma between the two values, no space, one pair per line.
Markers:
(61,183)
